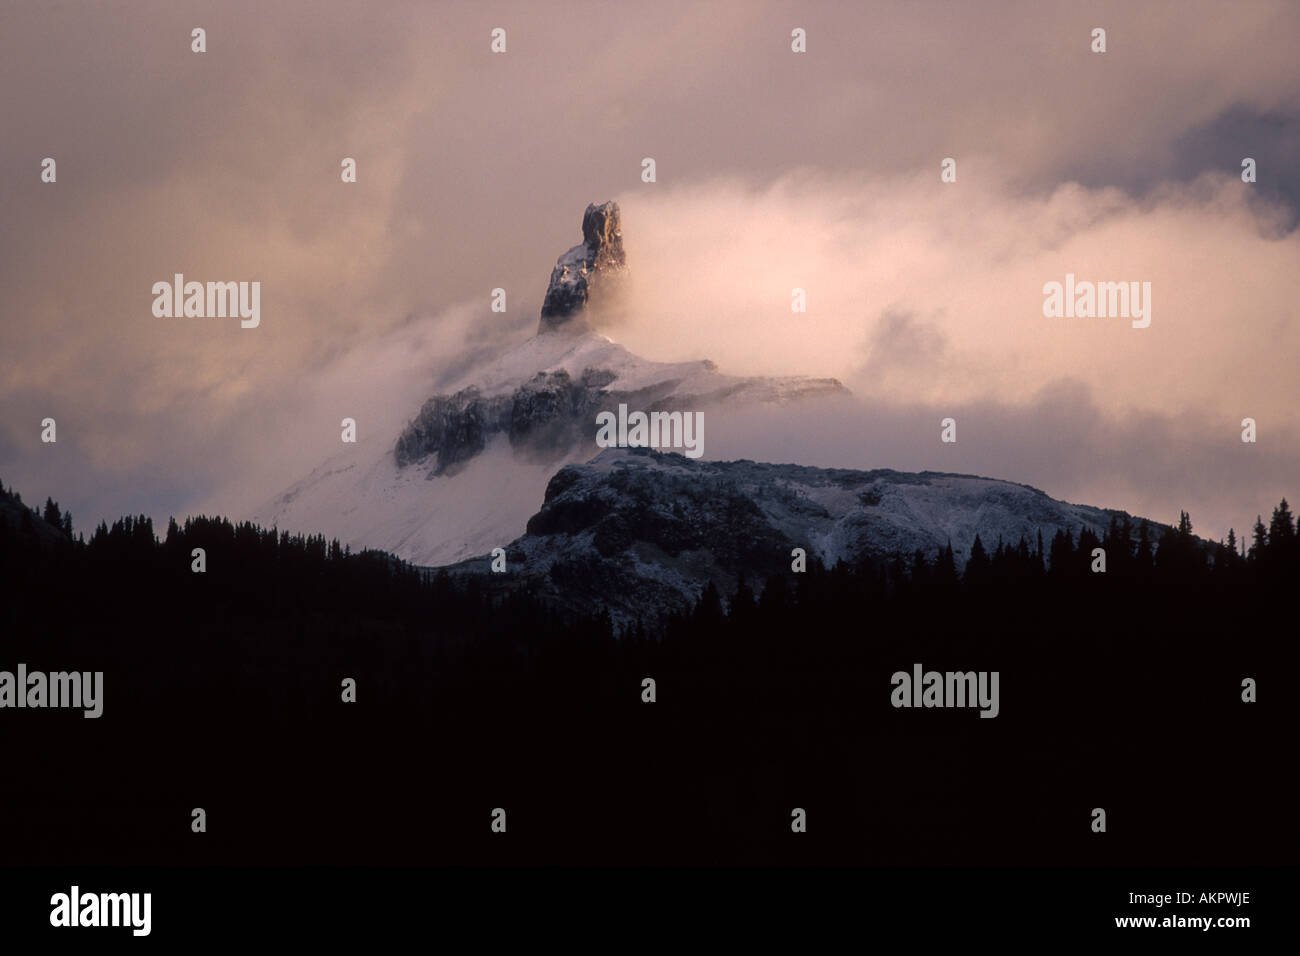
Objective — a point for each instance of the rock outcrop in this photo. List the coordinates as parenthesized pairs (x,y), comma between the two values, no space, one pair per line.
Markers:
(548,416)
(591,268)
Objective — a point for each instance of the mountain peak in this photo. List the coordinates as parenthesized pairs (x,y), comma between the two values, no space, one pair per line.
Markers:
(586,268)
(639,532)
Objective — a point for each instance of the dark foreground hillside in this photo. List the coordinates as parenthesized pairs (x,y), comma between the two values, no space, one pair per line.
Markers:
(222,690)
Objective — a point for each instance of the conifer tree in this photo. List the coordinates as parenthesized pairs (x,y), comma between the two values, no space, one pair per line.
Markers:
(978,566)
(1259,546)
(945,569)
(1281,529)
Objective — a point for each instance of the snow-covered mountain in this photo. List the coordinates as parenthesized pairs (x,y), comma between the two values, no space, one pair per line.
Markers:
(473,463)
(641,532)
(506,457)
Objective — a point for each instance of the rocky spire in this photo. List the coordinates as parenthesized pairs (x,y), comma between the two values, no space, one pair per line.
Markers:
(586,268)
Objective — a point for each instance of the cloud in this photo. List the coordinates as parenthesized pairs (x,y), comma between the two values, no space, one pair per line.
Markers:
(713,266)
(776,170)
(945,290)
(900,340)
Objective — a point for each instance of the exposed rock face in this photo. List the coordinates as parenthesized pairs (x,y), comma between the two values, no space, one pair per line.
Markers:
(548,416)
(587,268)
(456,427)
(553,415)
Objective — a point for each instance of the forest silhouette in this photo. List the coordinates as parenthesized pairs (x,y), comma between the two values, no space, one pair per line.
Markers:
(222,690)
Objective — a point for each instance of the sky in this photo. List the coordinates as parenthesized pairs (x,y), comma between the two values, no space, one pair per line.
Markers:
(775,170)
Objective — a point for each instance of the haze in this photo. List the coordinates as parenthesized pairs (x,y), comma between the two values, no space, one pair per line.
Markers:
(775,170)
